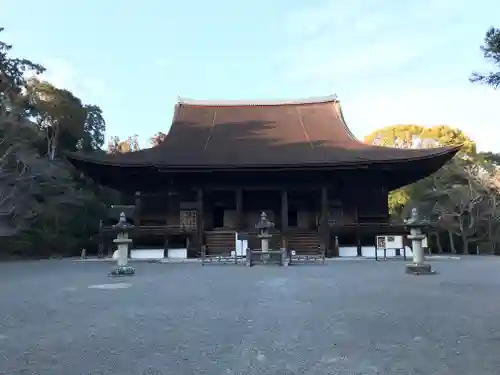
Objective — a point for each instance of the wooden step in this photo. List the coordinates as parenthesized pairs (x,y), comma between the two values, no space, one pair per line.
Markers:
(304,240)
(220,242)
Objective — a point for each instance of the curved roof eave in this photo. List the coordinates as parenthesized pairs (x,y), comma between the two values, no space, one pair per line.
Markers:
(358,162)
(105,159)
(415,171)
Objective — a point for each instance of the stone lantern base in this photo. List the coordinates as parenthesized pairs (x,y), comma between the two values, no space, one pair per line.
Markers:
(123,271)
(419,269)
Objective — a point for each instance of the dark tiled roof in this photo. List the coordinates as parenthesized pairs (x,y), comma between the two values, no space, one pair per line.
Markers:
(239,135)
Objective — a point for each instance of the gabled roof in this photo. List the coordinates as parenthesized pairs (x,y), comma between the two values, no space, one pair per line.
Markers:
(235,134)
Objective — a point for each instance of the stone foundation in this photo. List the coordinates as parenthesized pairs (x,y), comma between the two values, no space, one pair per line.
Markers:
(419,269)
(122,271)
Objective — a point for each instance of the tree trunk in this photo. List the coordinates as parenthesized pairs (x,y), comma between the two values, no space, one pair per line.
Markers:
(465,243)
(52,154)
(496,234)
(452,242)
(438,242)
(491,240)
(52,140)
(49,147)
(490,234)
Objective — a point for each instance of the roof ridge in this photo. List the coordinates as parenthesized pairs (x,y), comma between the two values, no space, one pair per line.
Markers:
(271,102)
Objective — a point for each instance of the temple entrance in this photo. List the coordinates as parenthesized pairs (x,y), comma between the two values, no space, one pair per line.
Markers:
(218,217)
(293,218)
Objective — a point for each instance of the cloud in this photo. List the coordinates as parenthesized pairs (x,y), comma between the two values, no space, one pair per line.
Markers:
(314,19)
(334,38)
(392,62)
(317,61)
(64,75)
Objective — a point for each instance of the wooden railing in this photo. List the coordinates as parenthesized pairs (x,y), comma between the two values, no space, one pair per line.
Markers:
(373,227)
(155,229)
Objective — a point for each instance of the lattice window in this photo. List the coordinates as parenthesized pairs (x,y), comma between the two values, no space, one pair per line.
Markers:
(189,218)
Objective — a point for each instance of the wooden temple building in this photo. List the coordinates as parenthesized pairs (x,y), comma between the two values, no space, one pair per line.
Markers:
(223,163)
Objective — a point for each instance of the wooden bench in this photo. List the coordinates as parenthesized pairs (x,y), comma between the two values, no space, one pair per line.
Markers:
(257,256)
(226,257)
(310,255)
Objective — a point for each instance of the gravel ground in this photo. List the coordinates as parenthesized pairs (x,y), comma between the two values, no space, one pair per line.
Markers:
(173,319)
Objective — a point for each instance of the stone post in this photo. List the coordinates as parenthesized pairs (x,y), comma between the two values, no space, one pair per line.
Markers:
(263,226)
(248,258)
(284,257)
(418,266)
(264,244)
(122,241)
(416,238)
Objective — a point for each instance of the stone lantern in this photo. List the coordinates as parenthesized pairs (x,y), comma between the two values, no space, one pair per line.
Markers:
(263,226)
(415,225)
(122,240)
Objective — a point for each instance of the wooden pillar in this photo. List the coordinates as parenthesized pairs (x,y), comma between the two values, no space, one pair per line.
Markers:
(284,219)
(100,245)
(167,208)
(137,209)
(358,239)
(199,218)
(137,220)
(325,229)
(167,215)
(239,209)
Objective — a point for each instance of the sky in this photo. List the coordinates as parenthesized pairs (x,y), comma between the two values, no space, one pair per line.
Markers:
(388,61)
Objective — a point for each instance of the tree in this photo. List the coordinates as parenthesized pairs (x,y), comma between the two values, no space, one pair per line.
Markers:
(490,157)
(157,139)
(133,142)
(15,175)
(45,206)
(457,205)
(58,113)
(116,145)
(94,127)
(416,136)
(12,72)
(491,52)
(16,134)
(461,199)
